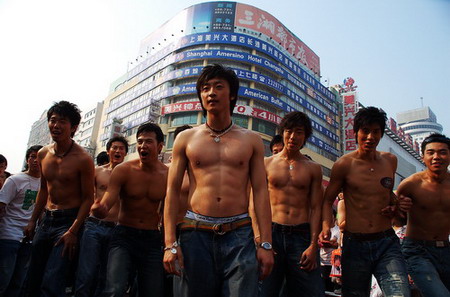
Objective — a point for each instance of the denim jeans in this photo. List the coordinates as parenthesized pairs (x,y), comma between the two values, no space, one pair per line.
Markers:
(220,265)
(289,247)
(135,250)
(48,268)
(94,249)
(14,263)
(381,257)
(429,267)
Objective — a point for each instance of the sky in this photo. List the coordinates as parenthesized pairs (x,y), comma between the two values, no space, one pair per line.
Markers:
(50,50)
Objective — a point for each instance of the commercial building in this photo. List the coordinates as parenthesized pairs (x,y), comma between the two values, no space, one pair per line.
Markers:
(419,123)
(278,73)
(39,134)
(86,134)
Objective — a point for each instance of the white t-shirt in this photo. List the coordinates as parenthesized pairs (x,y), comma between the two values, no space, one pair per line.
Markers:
(19,194)
(325,253)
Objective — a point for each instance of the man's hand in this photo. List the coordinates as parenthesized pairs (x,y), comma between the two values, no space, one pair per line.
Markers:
(69,240)
(328,243)
(99,210)
(265,260)
(389,211)
(325,235)
(308,260)
(173,263)
(29,230)
(404,204)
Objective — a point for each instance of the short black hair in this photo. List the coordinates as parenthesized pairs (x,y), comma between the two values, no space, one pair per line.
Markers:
(118,139)
(102,158)
(435,137)
(218,71)
(3,160)
(151,127)
(180,129)
(275,140)
(296,119)
(31,149)
(66,109)
(368,116)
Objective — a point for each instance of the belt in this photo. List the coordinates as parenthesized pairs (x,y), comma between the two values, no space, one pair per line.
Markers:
(219,229)
(432,243)
(301,228)
(370,236)
(60,213)
(101,222)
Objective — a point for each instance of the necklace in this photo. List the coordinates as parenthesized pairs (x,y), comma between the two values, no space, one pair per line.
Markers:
(218,133)
(372,170)
(67,152)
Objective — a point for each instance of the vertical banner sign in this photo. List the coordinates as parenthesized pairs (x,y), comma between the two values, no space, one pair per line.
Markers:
(350,109)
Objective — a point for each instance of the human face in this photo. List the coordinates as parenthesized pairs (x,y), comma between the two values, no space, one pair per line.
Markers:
(276,148)
(294,138)
(436,156)
(60,128)
(368,137)
(147,146)
(215,94)
(32,162)
(117,152)
(2,167)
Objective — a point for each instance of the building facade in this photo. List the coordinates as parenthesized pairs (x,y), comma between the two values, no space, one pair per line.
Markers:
(86,134)
(278,73)
(419,123)
(39,133)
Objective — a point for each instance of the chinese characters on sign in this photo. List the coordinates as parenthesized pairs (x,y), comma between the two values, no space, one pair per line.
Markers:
(350,109)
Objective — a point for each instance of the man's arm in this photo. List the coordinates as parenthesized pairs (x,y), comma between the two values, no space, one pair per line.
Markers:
(172,203)
(69,239)
(308,258)
(41,201)
(334,187)
(261,204)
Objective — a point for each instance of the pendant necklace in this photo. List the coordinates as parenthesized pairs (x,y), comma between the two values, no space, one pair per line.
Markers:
(68,151)
(372,170)
(218,133)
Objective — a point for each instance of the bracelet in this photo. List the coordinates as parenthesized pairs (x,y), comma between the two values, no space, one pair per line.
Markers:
(174,245)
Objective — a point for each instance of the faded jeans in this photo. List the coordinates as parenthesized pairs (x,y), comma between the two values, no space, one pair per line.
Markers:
(289,247)
(94,249)
(220,265)
(135,250)
(429,267)
(381,257)
(14,263)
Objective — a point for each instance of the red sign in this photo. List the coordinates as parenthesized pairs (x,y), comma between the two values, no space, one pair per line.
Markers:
(258,20)
(350,109)
(238,109)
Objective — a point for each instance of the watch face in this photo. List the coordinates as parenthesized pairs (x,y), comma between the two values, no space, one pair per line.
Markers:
(266,245)
(173,250)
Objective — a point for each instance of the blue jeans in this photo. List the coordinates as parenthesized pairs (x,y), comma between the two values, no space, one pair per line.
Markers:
(135,250)
(94,249)
(382,257)
(48,268)
(289,246)
(429,266)
(220,265)
(14,263)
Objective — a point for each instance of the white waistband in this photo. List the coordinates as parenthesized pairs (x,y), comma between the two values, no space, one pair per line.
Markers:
(216,220)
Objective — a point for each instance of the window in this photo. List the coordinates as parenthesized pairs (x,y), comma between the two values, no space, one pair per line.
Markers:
(184,119)
(240,121)
(264,127)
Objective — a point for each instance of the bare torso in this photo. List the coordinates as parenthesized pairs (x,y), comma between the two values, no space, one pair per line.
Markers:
(428,218)
(367,189)
(289,190)
(141,193)
(62,176)
(102,176)
(219,172)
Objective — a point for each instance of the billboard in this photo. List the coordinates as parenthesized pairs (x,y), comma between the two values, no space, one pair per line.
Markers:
(350,110)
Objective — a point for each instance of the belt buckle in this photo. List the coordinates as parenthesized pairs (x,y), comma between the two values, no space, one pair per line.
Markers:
(217,228)
(440,243)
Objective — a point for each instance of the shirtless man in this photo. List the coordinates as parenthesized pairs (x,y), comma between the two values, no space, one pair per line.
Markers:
(276,144)
(140,185)
(426,246)
(295,191)
(216,249)
(370,245)
(94,245)
(65,196)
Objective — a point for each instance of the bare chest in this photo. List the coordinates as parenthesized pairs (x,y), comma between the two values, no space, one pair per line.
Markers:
(433,198)
(281,176)
(57,170)
(142,186)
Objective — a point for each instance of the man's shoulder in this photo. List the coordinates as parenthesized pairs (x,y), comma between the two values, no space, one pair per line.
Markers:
(388,156)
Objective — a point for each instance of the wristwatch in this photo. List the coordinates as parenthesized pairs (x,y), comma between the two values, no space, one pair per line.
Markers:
(173,248)
(266,245)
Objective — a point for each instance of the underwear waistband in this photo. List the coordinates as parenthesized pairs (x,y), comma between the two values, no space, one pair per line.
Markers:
(214,220)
